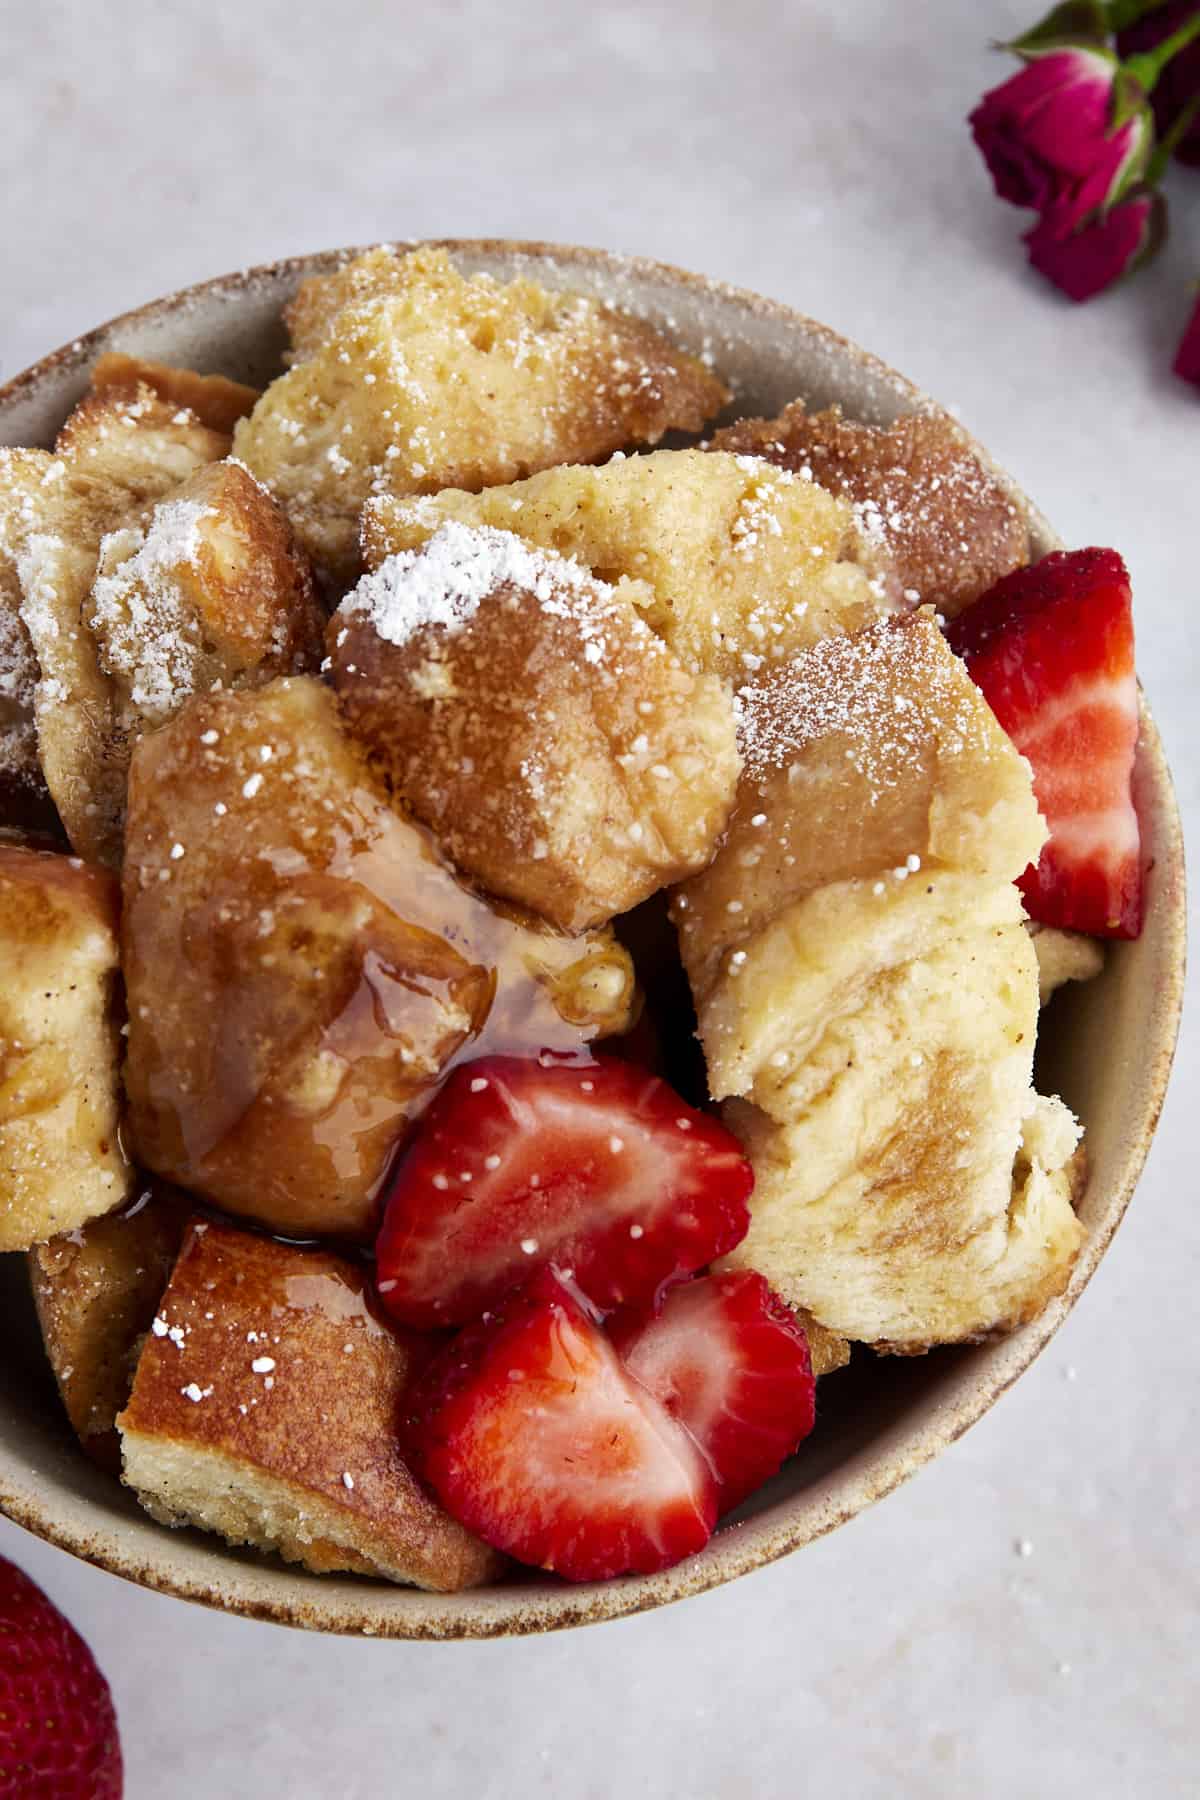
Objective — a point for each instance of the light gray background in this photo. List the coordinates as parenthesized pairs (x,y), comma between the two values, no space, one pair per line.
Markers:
(818,154)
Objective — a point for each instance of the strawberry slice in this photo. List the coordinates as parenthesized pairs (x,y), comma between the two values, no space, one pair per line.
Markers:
(531,1434)
(598,1168)
(729,1360)
(1052,649)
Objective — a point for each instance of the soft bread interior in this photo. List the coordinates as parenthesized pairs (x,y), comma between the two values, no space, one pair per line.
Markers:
(61,1160)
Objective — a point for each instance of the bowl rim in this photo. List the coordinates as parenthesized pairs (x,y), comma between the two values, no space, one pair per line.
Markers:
(258,1589)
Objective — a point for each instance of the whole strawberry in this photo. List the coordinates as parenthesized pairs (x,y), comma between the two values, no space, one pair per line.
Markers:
(58,1730)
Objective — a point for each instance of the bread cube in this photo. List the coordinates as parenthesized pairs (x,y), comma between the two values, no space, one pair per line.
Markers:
(867,998)
(216,402)
(301,968)
(211,593)
(859,755)
(61,1161)
(196,580)
(267,1407)
(524,710)
(409,376)
(96,1290)
(733,563)
(941,517)
(119,453)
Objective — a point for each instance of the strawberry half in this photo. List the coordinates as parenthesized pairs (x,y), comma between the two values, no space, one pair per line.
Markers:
(729,1360)
(597,1168)
(58,1730)
(1052,649)
(533,1436)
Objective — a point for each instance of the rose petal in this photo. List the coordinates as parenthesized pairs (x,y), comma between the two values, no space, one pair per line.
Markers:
(1046,139)
(1087,261)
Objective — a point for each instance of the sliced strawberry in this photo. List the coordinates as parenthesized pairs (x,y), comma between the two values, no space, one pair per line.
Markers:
(1052,649)
(598,1168)
(531,1434)
(731,1362)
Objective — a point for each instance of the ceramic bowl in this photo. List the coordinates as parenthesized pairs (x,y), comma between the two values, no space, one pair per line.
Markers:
(1107,1048)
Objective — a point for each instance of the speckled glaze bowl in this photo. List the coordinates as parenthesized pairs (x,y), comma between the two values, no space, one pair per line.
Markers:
(1107,1047)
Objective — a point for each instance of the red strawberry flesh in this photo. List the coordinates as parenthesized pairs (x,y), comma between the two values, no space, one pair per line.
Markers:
(598,1168)
(531,1434)
(1051,647)
(58,1730)
(730,1361)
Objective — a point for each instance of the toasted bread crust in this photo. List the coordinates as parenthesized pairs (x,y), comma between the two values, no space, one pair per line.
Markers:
(267,1406)
(946,523)
(216,401)
(96,1291)
(410,377)
(857,753)
(560,754)
(827,1351)
(213,594)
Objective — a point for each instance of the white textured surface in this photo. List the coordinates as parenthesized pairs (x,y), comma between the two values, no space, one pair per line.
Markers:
(816,153)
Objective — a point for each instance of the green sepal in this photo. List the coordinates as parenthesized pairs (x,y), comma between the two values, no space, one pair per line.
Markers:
(1076,25)
(1128,97)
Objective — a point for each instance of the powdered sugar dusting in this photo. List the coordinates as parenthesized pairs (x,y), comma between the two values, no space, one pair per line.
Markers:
(878,691)
(140,613)
(18,679)
(444,581)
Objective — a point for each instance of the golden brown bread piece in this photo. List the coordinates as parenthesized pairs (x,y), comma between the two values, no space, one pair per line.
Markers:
(732,562)
(212,593)
(96,1290)
(205,586)
(127,447)
(216,401)
(61,1161)
(266,1407)
(409,377)
(115,457)
(867,999)
(301,967)
(860,753)
(525,711)
(942,518)
(24,797)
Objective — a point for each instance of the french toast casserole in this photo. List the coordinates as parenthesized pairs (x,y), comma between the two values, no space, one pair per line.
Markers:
(522,947)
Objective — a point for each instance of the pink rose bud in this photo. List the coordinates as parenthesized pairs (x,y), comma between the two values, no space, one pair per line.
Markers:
(1046,137)
(1084,261)
(1187,357)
